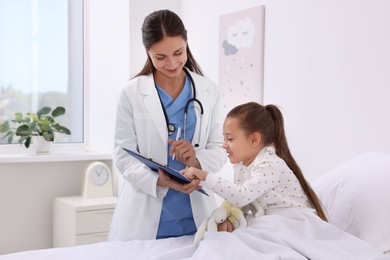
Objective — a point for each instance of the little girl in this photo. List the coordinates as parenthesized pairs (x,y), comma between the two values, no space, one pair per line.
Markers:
(294,225)
(264,169)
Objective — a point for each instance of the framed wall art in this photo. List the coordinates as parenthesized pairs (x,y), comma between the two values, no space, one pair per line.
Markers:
(241,51)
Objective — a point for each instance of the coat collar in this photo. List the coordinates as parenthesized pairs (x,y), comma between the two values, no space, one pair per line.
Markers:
(153,105)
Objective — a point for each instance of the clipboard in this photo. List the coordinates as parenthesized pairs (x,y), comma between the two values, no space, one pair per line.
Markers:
(154,165)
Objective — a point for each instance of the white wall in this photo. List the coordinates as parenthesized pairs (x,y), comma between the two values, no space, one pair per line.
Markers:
(327,66)
(106,66)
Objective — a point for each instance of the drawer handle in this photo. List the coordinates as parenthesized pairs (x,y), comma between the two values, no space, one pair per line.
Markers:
(102,214)
(102,236)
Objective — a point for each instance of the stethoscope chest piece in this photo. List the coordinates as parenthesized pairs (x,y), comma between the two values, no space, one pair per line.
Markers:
(171,128)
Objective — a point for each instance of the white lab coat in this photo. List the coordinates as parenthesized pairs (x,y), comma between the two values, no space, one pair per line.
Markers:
(141,125)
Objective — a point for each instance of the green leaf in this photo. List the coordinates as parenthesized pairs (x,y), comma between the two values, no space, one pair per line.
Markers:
(32,116)
(23,130)
(58,111)
(65,130)
(10,136)
(18,117)
(4,127)
(49,136)
(62,129)
(28,142)
(43,111)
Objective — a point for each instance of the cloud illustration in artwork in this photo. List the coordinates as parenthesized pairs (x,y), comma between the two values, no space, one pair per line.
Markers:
(229,49)
(241,34)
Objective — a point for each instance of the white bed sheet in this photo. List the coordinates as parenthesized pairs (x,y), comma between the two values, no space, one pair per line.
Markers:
(285,234)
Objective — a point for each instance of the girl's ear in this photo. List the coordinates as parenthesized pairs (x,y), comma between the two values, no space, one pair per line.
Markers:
(256,139)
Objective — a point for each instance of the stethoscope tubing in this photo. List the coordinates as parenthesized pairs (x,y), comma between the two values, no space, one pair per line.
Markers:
(171,127)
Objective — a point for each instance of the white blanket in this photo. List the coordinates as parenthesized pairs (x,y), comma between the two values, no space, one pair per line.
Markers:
(283,234)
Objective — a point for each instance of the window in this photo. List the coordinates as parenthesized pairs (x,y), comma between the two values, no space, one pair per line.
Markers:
(41,61)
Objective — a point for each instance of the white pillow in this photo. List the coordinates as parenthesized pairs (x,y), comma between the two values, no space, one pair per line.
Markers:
(356,196)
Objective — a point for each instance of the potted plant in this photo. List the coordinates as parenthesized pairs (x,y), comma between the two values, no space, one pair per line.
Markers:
(40,124)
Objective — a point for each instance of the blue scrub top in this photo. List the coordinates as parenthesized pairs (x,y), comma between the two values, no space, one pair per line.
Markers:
(176,215)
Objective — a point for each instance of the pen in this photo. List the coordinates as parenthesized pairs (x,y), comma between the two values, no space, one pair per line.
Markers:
(177,138)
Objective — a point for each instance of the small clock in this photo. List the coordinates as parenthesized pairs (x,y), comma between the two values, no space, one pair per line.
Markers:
(97,181)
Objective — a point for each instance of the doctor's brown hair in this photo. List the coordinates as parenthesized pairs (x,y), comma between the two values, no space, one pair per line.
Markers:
(160,24)
(268,121)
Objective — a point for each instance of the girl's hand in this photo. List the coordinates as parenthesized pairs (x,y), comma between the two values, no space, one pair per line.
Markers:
(194,173)
(225,226)
(164,180)
(184,152)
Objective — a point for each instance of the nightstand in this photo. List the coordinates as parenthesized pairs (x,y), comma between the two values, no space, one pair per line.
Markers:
(78,220)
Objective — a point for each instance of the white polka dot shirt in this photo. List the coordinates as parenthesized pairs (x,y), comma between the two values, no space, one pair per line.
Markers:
(267,179)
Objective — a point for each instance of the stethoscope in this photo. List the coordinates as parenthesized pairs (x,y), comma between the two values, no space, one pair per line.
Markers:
(171,127)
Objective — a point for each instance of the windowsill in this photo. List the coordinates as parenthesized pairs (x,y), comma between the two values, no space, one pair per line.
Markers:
(53,157)
(58,153)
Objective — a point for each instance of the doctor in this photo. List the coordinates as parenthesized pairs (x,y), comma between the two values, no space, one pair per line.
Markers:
(169,93)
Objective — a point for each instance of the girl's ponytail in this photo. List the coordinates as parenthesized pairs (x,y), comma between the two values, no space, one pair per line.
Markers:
(279,139)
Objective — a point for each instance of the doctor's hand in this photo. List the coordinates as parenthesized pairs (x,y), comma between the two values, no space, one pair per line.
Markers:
(184,152)
(165,181)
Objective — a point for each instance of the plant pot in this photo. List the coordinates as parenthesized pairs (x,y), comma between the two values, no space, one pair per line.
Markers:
(41,145)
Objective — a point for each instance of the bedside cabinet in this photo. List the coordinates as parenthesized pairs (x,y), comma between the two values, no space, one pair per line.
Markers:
(78,220)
